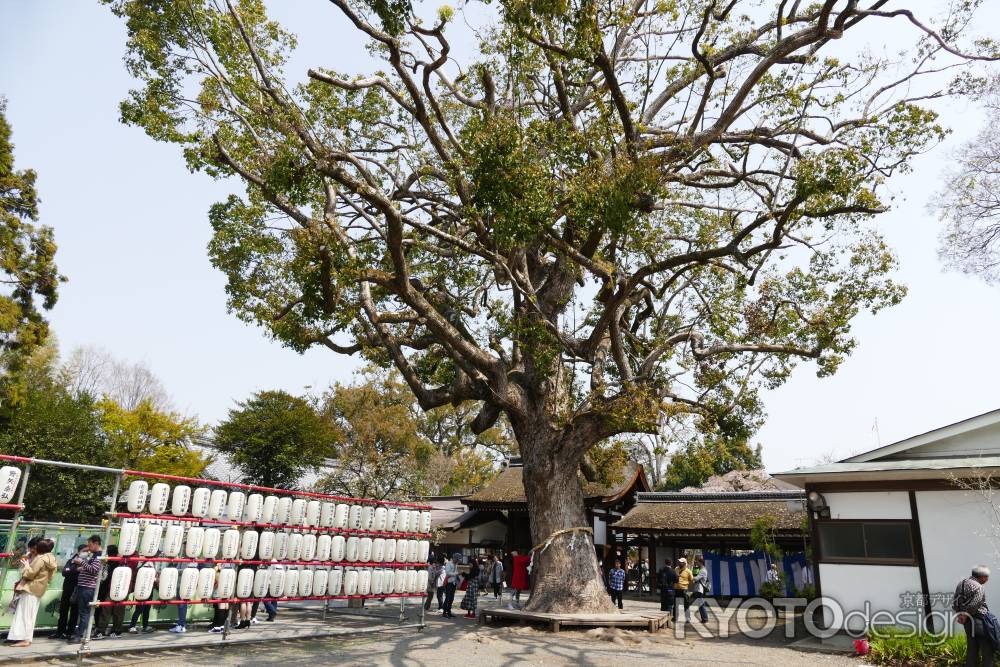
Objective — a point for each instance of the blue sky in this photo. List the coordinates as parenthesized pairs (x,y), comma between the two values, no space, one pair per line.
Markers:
(132,229)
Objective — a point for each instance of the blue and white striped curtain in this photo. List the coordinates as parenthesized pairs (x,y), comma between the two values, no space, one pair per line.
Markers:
(741,576)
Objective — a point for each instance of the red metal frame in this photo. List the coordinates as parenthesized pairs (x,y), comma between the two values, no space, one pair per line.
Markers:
(156,603)
(297,526)
(208,561)
(13,506)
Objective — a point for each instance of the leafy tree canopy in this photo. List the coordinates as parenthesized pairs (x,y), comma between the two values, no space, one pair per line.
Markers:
(145,438)
(694,463)
(30,279)
(274,438)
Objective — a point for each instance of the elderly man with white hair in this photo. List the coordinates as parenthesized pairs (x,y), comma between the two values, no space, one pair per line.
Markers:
(970,603)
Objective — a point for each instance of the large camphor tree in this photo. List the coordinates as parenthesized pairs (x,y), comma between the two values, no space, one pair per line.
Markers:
(605,215)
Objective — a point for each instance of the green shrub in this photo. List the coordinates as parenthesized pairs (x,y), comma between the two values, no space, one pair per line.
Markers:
(895,647)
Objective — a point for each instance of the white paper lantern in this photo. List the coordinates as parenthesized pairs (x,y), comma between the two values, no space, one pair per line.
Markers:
(351,582)
(144,578)
(234,505)
(159,498)
(367,517)
(339,549)
(321,578)
(193,545)
(378,550)
(401,550)
(210,543)
(336,583)
(268,509)
(189,584)
(411,581)
(283,513)
(324,543)
(308,547)
(255,507)
(423,551)
(364,582)
(265,548)
(377,577)
(206,584)
(128,539)
(298,512)
(277,586)
(326,515)
(425,522)
(168,583)
(312,513)
(248,545)
(217,504)
(399,583)
(403,521)
(226,584)
(151,539)
(9,477)
(181,500)
(412,551)
(230,544)
(351,553)
(390,551)
(390,519)
(292,583)
(280,546)
(388,582)
(295,546)
(365,550)
(306,583)
(422,580)
(261,582)
(173,541)
(340,516)
(136,495)
(378,519)
(244,582)
(354,518)
(121,578)
(199,501)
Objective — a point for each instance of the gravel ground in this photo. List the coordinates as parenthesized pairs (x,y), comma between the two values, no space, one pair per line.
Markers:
(463,644)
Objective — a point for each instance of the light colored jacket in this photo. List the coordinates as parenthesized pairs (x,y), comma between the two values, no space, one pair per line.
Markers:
(451,571)
(700,582)
(38,573)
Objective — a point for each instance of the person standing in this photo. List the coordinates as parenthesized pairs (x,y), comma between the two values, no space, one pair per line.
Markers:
(700,587)
(433,572)
(644,583)
(86,586)
(616,582)
(471,597)
(451,583)
(684,579)
(67,604)
(496,577)
(667,579)
(970,603)
(115,615)
(142,610)
(37,570)
(519,580)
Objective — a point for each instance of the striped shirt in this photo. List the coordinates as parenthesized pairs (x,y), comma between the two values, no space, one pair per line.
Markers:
(88,572)
(617,579)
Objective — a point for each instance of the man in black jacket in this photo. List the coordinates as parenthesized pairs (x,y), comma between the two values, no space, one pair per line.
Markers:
(67,608)
(667,579)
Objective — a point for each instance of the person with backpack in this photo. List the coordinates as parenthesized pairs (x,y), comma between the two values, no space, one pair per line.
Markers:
(970,604)
(667,580)
(700,587)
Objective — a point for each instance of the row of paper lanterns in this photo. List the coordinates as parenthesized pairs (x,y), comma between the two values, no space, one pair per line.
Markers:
(274,581)
(213,504)
(209,543)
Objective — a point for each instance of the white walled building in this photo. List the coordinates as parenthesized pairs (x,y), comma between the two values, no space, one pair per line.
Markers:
(896,528)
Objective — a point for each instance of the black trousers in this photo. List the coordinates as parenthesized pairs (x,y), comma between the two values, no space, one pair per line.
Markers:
(667,599)
(67,613)
(497,589)
(143,611)
(977,643)
(616,596)
(113,616)
(449,597)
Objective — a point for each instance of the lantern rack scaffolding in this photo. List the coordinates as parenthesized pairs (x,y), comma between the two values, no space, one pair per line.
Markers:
(113,517)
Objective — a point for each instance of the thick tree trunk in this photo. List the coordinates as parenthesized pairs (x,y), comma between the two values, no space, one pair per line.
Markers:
(566,577)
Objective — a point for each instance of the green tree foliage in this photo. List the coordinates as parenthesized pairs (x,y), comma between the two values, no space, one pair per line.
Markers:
(146,438)
(694,463)
(599,214)
(54,423)
(380,453)
(274,438)
(27,261)
(464,461)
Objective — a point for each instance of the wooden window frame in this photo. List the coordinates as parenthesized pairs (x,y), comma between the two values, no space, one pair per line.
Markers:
(865,560)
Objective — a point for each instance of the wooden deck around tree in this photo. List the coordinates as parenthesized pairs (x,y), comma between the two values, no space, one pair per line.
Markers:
(650,620)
